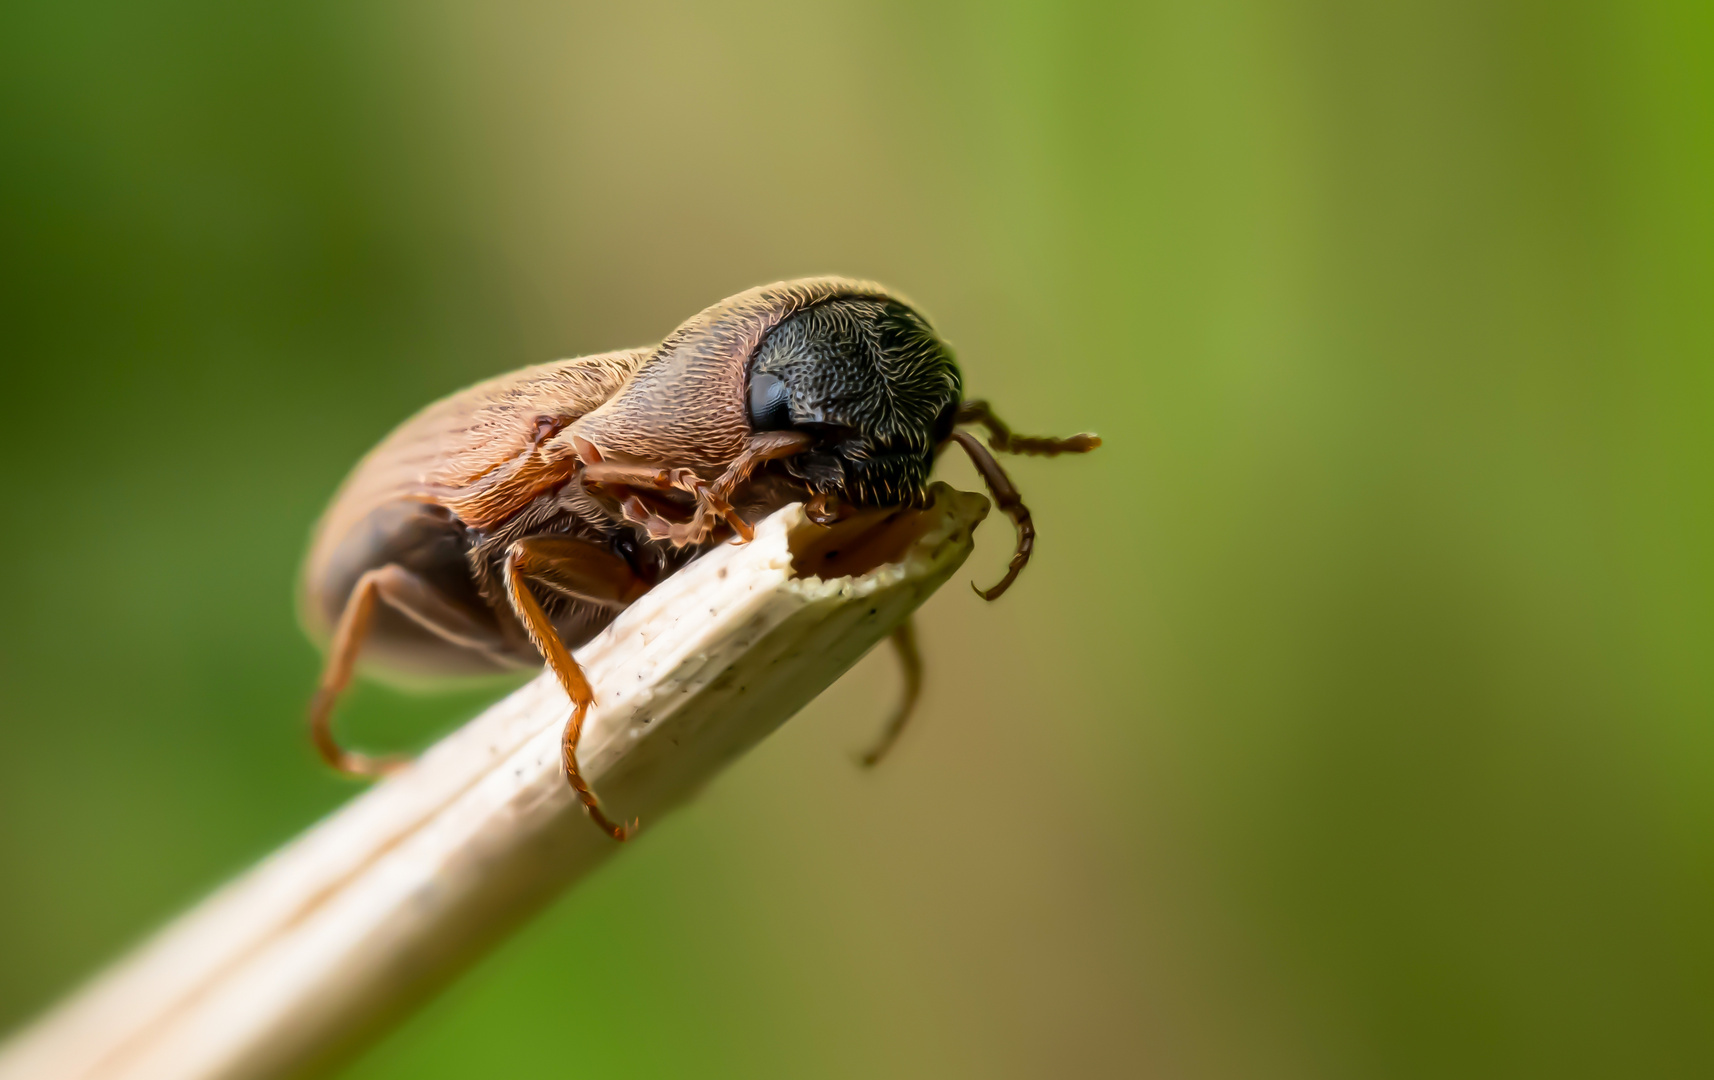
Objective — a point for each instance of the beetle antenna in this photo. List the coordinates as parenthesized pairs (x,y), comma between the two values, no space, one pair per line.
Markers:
(1001,438)
(1007,499)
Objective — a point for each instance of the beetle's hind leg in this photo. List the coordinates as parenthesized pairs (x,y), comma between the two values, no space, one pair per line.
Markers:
(904,639)
(411,596)
(588,573)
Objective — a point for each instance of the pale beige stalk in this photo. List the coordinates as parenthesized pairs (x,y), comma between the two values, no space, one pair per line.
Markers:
(312,953)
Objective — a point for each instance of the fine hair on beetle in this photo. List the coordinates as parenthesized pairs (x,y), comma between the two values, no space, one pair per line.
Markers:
(509,523)
(874,386)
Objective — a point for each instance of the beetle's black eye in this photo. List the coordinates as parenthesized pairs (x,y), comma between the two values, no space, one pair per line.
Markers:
(770,403)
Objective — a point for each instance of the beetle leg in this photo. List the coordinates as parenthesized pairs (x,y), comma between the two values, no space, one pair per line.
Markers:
(708,511)
(763,446)
(581,570)
(625,474)
(559,563)
(711,509)
(1006,497)
(904,639)
(1001,438)
(711,505)
(423,604)
(712,497)
(637,512)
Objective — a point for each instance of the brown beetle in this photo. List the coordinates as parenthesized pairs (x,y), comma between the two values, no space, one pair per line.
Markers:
(509,523)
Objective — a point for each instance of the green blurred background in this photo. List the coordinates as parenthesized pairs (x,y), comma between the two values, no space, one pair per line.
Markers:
(1354,719)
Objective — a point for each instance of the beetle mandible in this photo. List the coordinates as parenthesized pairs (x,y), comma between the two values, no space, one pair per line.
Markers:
(509,523)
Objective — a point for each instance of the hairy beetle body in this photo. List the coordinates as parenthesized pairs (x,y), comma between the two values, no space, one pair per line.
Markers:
(510,522)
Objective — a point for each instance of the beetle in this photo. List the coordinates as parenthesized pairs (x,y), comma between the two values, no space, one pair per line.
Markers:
(507,524)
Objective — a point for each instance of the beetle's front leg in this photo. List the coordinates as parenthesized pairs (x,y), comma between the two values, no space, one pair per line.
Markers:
(712,497)
(1002,438)
(763,446)
(711,508)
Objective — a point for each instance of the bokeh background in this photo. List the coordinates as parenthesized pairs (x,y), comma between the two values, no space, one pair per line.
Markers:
(1355,719)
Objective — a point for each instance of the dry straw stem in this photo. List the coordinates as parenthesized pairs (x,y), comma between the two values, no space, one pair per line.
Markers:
(311,954)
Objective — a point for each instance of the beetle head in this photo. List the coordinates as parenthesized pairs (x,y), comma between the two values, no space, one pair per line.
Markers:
(874,386)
